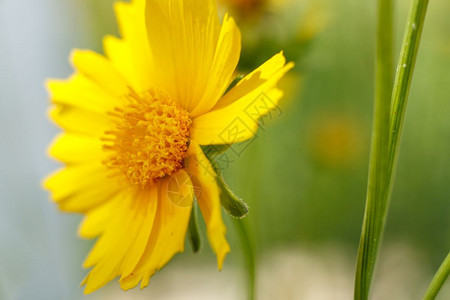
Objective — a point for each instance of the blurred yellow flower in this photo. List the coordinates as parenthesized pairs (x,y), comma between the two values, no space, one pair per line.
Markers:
(246,6)
(134,121)
(336,140)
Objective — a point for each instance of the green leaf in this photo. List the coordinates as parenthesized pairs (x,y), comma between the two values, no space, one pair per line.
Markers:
(234,205)
(234,82)
(194,232)
(212,151)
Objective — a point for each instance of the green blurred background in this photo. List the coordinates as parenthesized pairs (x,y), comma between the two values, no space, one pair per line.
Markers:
(304,175)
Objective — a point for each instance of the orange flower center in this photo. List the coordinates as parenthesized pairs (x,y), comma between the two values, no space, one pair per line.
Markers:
(150,139)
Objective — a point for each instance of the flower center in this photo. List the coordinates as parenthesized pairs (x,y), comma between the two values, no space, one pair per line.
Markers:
(150,139)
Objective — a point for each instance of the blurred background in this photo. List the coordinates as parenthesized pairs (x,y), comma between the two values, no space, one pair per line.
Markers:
(303,176)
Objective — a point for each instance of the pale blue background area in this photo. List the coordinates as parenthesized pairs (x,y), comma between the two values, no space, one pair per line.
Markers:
(40,254)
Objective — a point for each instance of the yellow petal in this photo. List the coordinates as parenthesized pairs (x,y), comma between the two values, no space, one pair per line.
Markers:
(80,121)
(235,117)
(75,148)
(96,219)
(131,55)
(208,196)
(88,199)
(81,92)
(100,71)
(124,237)
(195,58)
(222,67)
(261,79)
(80,187)
(168,233)
(135,252)
(234,124)
(120,54)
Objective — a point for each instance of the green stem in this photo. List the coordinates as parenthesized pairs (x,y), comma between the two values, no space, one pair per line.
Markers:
(247,250)
(405,68)
(375,206)
(384,155)
(438,280)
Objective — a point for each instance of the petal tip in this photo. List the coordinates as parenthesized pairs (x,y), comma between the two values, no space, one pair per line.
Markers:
(221,257)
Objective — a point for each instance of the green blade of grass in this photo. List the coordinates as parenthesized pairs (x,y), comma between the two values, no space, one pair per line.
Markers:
(438,280)
(386,134)
(384,78)
(405,68)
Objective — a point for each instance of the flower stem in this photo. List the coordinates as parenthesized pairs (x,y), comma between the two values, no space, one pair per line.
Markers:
(247,250)
(438,279)
(386,133)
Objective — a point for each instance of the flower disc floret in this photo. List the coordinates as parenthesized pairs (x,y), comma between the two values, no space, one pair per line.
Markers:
(150,138)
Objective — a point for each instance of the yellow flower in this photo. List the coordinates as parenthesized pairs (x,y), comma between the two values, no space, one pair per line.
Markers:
(335,140)
(134,120)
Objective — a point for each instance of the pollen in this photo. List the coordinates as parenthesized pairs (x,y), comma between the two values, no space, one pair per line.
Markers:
(150,138)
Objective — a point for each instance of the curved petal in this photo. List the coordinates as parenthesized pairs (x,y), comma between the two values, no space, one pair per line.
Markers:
(168,233)
(81,92)
(76,120)
(80,187)
(100,70)
(74,148)
(120,54)
(126,230)
(96,220)
(131,55)
(261,79)
(208,196)
(222,67)
(235,117)
(195,57)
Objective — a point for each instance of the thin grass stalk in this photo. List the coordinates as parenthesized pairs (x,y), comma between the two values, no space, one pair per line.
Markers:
(384,78)
(438,280)
(382,164)
(405,69)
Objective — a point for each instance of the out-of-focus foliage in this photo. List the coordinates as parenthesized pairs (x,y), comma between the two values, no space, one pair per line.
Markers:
(309,169)
(269,26)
